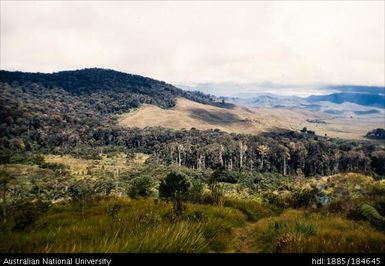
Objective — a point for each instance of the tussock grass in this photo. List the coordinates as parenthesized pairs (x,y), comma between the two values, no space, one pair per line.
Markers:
(138,226)
(254,210)
(297,231)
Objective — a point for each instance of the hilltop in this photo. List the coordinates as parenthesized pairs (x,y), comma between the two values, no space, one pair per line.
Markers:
(87,81)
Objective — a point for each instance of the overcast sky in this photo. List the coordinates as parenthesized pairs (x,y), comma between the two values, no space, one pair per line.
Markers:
(193,42)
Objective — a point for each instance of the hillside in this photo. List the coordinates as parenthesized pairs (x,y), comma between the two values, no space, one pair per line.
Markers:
(65,108)
(137,89)
(188,114)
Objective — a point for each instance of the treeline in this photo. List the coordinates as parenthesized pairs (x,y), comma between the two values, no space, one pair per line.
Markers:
(287,153)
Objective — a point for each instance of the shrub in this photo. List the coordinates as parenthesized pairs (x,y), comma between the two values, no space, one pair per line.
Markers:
(371,214)
(58,168)
(26,213)
(306,198)
(173,187)
(195,192)
(142,186)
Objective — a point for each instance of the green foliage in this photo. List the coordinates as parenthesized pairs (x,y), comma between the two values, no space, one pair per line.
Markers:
(113,210)
(252,209)
(82,194)
(173,187)
(296,231)
(371,214)
(58,168)
(297,227)
(141,186)
(306,198)
(105,186)
(195,193)
(138,226)
(24,214)
(25,158)
(219,223)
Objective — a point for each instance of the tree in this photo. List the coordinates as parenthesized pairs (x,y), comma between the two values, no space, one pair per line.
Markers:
(81,192)
(141,186)
(105,185)
(173,187)
(4,180)
(215,187)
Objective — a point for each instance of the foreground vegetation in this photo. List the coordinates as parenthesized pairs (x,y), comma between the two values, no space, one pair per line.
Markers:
(122,204)
(122,225)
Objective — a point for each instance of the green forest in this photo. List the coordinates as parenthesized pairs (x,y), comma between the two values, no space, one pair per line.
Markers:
(69,172)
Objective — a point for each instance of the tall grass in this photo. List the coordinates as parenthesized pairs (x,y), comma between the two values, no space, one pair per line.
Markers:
(254,210)
(139,226)
(148,225)
(297,231)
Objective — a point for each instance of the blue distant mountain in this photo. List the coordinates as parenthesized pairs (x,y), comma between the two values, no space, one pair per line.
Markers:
(365,99)
(356,89)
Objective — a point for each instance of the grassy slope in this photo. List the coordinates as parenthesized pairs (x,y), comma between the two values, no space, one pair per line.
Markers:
(188,114)
(303,231)
(150,226)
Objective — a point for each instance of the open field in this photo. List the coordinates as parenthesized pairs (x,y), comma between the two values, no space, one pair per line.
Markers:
(105,164)
(188,114)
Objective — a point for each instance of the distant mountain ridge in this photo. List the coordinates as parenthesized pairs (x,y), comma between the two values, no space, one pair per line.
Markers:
(357,89)
(249,90)
(365,99)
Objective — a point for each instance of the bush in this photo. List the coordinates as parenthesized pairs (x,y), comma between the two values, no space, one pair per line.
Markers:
(26,213)
(371,214)
(173,187)
(380,205)
(141,186)
(306,198)
(58,168)
(195,192)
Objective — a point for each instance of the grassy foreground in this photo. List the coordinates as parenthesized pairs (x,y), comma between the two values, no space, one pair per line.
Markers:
(150,225)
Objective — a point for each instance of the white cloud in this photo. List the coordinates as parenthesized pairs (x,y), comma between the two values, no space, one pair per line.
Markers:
(193,42)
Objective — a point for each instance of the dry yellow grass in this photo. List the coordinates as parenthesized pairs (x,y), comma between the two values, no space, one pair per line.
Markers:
(115,164)
(188,114)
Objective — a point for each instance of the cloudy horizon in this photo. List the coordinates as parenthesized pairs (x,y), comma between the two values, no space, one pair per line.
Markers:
(191,43)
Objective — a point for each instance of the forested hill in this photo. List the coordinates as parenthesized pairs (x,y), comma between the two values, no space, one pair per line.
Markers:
(137,89)
(51,110)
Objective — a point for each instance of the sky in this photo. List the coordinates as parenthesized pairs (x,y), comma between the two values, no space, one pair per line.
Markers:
(288,42)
